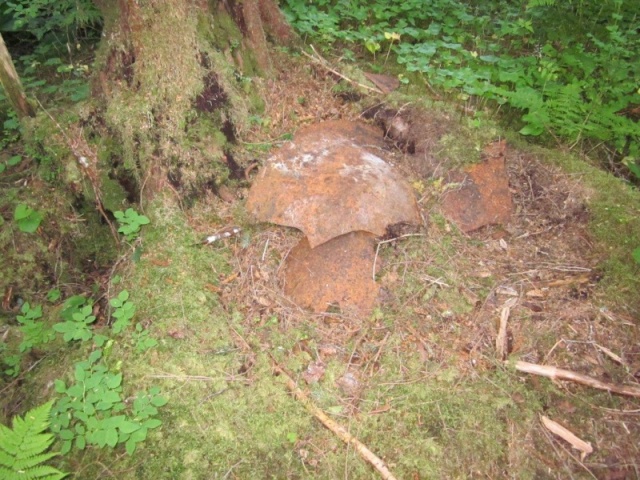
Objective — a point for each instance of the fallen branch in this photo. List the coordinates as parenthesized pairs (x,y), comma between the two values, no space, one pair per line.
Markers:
(560,374)
(335,427)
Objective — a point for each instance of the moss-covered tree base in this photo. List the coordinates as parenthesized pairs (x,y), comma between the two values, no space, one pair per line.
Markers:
(174,85)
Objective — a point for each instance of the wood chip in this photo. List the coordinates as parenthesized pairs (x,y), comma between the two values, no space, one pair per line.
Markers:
(535,293)
(577,443)
(501,339)
(610,354)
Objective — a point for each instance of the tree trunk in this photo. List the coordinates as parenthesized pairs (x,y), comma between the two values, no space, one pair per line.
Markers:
(174,84)
(11,83)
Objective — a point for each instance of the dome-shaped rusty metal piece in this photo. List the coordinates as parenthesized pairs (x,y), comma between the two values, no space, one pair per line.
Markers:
(332,180)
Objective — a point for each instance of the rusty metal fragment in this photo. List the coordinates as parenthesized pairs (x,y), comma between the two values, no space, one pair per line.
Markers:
(482,197)
(336,273)
(332,180)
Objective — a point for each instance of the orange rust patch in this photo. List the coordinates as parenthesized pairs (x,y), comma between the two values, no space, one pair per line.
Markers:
(331,180)
(484,197)
(337,272)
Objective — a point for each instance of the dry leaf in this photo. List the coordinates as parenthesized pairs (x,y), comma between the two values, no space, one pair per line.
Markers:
(6,298)
(177,334)
(382,409)
(230,278)
(160,262)
(482,274)
(262,301)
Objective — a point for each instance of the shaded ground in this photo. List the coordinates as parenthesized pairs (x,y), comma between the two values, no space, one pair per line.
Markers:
(442,295)
(418,381)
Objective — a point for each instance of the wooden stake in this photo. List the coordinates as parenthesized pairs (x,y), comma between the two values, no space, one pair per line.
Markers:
(501,339)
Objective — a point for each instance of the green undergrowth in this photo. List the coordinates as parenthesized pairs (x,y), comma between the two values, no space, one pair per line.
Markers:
(565,69)
(216,420)
(227,413)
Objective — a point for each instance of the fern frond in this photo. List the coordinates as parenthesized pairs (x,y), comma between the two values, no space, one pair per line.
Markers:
(540,3)
(32,461)
(23,448)
(8,442)
(6,474)
(42,472)
(5,460)
(34,445)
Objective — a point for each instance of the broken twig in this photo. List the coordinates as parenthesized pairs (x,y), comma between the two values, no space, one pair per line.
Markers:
(560,374)
(501,339)
(335,427)
(567,436)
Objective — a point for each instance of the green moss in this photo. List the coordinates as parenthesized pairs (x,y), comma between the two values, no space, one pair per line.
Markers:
(112,194)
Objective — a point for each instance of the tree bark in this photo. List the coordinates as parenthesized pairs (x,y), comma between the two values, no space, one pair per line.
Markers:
(174,84)
(11,83)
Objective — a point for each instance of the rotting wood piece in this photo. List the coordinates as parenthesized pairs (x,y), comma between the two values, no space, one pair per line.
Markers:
(11,83)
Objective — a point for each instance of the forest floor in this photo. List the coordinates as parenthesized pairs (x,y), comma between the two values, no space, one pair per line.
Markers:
(419,381)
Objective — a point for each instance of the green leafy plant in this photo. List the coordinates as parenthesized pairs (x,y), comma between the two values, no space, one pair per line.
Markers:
(78,319)
(27,218)
(23,449)
(77,316)
(92,410)
(10,130)
(124,311)
(34,332)
(11,365)
(636,255)
(130,222)
(12,162)
(142,340)
(54,295)
(569,70)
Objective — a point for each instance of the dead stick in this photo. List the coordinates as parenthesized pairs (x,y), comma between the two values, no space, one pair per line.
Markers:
(501,339)
(560,374)
(335,427)
(323,63)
